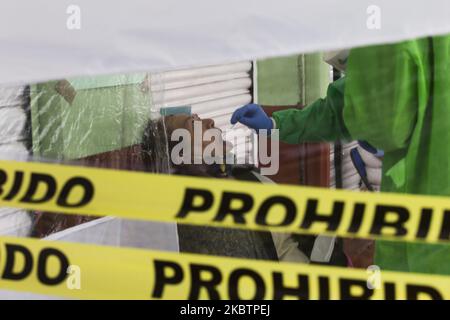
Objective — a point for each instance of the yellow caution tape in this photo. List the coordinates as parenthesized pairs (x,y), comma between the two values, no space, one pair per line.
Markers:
(97,272)
(223,203)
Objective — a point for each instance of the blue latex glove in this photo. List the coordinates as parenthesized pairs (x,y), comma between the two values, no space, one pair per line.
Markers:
(253,116)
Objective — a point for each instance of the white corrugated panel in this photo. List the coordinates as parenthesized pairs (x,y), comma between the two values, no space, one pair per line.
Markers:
(212,92)
(350,177)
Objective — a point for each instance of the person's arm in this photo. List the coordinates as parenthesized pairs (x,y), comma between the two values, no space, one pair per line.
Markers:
(320,121)
(382,92)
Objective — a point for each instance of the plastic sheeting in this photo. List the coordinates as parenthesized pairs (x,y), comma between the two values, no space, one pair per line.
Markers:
(110,122)
(15,222)
(13,136)
(121,122)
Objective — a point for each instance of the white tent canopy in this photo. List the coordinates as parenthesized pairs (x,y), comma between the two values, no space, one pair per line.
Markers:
(156,35)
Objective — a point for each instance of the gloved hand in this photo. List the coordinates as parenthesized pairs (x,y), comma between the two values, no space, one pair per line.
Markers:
(253,116)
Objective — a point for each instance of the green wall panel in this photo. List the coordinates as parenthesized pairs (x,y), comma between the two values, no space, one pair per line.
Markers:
(278,81)
(292,80)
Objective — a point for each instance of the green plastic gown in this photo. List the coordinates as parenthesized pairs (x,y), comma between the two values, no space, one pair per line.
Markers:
(386,100)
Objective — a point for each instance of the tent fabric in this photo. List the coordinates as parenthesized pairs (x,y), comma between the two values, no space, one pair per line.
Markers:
(153,36)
